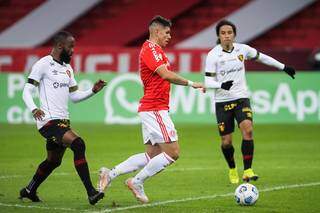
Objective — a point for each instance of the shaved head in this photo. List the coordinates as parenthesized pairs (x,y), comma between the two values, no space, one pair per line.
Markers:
(60,37)
(159,21)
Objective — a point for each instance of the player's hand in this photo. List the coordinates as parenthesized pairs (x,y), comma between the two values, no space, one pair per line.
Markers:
(197,85)
(203,90)
(38,114)
(226,85)
(98,86)
(290,71)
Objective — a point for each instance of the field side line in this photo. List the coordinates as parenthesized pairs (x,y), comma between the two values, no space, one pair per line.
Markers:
(38,207)
(276,188)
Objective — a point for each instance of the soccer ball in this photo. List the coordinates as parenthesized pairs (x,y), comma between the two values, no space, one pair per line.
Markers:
(246,194)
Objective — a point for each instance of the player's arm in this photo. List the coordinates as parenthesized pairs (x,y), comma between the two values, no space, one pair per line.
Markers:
(265,59)
(211,83)
(268,60)
(77,95)
(174,78)
(38,114)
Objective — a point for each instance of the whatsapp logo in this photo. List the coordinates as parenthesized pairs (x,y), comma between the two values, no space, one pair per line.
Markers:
(121,99)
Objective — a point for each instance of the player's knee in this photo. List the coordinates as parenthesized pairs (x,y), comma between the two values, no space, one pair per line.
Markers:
(248,133)
(226,146)
(175,154)
(226,142)
(78,145)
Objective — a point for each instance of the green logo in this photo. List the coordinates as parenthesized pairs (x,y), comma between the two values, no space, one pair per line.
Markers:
(121,99)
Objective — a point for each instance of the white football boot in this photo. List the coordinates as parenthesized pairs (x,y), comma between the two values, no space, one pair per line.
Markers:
(137,190)
(104,179)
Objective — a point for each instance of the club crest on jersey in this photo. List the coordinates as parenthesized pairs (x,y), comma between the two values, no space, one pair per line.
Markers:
(172,133)
(68,73)
(240,57)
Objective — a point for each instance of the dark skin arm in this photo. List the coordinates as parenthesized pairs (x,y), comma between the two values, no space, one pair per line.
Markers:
(98,86)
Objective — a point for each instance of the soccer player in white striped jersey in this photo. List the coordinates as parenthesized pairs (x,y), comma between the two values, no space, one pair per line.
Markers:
(225,72)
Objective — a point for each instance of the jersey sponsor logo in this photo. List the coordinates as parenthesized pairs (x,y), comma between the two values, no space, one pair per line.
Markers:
(55,72)
(55,85)
(59,85)
(231,106)
(240,57)
(223,72)
(156,56)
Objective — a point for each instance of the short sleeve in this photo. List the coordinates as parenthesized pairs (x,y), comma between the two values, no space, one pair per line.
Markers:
(72,82)
(153,57)
(250,53)
(37,71)
(210,65)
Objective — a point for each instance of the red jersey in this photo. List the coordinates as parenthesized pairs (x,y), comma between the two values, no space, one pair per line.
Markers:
(156,89)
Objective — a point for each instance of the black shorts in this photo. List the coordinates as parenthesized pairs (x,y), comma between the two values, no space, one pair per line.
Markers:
(226,112)
(53,132)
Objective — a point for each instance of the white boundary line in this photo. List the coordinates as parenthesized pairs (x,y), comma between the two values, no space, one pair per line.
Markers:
(37,207)
(276,188)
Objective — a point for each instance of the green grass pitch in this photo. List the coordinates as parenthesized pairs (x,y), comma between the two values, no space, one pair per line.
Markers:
(287,159)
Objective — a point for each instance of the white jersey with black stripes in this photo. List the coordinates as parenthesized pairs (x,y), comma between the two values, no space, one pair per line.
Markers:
(54,81)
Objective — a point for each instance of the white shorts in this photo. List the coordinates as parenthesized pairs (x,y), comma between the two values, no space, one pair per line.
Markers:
(157,127)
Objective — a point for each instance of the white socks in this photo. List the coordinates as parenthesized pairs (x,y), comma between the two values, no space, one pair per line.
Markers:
(132,164)
(155,165)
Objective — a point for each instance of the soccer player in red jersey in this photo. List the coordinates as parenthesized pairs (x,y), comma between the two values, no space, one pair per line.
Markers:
(159,133)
